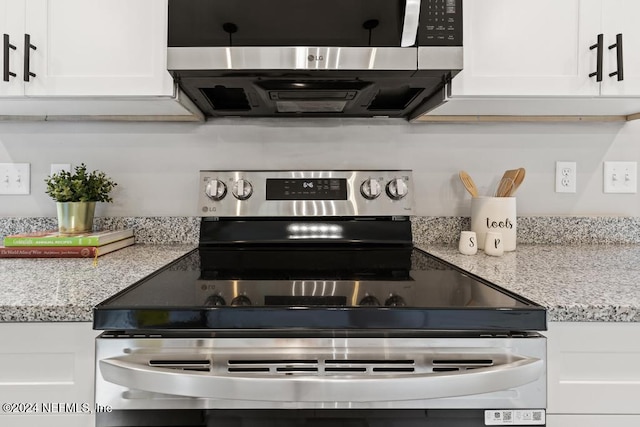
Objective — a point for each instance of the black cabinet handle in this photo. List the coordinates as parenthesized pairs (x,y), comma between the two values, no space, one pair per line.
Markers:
(27,57)
(618,45)
(598,45)
(7,73)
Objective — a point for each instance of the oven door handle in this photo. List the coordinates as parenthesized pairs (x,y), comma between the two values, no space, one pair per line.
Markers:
(308,388)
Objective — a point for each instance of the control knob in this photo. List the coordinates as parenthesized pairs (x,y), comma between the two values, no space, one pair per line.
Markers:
(397,188)
(216,189)
(240,300)
(369,300)
(395,301)
(242,189)
(370,189)
(214,299)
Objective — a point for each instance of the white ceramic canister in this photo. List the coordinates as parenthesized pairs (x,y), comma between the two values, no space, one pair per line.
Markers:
(494,214)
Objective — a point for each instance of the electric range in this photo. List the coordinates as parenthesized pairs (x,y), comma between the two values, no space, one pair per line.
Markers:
(306,293)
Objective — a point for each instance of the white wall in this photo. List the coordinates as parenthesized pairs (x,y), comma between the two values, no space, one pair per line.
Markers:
(157,164)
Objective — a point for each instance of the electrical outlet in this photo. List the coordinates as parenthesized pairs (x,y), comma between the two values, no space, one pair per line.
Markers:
(15,178)
(566,177)
(620,177)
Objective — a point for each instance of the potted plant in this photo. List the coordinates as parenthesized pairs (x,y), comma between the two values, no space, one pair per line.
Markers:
(76,195)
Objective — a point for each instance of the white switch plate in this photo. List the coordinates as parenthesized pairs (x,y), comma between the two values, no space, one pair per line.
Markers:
(566,177)
(15,178)
(620,177)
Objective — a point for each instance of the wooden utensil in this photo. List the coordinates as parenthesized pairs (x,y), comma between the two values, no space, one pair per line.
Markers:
(468,183)
(505,186)
(507,183)
(517,181)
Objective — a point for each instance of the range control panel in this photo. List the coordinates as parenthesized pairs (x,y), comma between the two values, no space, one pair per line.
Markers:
(305,193)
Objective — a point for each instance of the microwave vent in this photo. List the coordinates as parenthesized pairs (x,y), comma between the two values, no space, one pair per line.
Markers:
(227,99)
(394,98)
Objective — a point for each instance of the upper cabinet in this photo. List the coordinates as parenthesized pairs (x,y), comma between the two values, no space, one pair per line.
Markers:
(548,57)
(528,47)
(100,53)
(11,19)
(620,21)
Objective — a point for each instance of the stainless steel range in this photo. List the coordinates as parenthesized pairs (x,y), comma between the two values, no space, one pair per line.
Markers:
(306,304)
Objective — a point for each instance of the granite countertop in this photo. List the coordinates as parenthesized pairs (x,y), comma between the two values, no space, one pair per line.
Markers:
(66,289)
(574,282)
(580,283)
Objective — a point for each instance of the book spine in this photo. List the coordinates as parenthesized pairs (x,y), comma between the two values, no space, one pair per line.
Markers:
(52,252)
(51,241)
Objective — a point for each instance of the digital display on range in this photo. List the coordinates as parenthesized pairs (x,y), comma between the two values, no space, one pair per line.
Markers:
(307,189)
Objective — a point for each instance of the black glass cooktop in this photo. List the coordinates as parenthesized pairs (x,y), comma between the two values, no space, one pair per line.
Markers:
(397,288)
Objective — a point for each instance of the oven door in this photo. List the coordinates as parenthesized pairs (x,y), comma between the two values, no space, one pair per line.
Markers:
(436,381)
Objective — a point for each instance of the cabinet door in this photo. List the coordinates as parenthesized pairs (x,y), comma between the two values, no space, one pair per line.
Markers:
(529,48)
(621,17)
(11,24)
(98,48)
(49,369)
(593,368)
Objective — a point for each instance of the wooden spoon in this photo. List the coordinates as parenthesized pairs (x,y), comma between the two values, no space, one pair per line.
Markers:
(517,181)
(507,183)
(468,183)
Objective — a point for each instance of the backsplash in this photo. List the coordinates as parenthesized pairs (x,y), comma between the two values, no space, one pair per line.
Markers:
(426,230)
(551,230)
(165,184)
(151,230)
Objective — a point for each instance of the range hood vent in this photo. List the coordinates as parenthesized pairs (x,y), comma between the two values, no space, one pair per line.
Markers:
(227,98)
(395,98)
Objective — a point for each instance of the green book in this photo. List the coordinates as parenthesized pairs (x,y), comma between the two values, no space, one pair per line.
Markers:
(55,238)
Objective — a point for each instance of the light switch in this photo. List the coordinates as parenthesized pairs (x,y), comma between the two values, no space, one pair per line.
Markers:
(15,178)
(620,177)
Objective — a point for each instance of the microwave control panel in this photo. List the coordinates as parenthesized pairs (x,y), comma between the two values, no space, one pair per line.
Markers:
(440,23)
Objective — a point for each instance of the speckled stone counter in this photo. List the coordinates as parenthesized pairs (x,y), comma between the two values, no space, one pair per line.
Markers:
(57,289)
(575,283)
(561,263)
(581,283)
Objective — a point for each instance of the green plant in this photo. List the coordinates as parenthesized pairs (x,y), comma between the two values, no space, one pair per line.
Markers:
(80,186)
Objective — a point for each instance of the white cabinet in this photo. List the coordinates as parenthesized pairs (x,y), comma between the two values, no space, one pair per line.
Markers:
(535,58)
(88,57)
(88,47)
(621,17)
(98,48)
(528,47)
(10,58)
(593,374)
(47,374)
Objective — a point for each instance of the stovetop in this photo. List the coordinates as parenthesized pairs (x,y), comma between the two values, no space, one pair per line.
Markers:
(267,288)
(312,250)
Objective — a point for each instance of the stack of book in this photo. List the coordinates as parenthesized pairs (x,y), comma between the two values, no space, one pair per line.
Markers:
(52,244)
